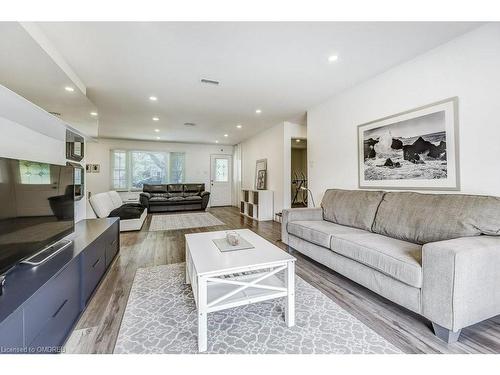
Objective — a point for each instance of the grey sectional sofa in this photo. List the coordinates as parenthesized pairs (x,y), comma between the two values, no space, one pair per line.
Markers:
(435,254)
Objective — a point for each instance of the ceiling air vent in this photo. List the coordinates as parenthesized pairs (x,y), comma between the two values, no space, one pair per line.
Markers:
(189,124)
(210,82)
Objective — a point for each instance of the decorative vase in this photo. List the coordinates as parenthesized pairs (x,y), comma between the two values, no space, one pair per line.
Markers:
(233,238)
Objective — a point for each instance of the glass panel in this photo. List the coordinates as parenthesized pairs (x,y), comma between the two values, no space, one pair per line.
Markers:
(34,173)
(148,167)
(119,180)
(177,162)
(221,170)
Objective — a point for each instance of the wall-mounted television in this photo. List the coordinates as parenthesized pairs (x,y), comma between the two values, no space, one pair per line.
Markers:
(36,208)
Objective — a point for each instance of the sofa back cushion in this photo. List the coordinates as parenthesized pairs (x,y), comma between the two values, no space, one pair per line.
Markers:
(175,190)
(354,208)
(115,198)
(102,204)
(193,189)
(423,218)
(147,188)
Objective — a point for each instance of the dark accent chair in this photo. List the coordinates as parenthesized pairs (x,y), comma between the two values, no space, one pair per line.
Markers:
(174,197)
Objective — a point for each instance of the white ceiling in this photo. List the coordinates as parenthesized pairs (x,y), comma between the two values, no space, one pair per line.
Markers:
(281,68)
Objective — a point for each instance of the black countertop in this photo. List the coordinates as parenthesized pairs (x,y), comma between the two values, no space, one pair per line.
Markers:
(24,280)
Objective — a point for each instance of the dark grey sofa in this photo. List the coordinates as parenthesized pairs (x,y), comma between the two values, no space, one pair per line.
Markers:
(435,254)
(174,197)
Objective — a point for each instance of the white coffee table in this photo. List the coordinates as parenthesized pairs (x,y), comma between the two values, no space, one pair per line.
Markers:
(211,274)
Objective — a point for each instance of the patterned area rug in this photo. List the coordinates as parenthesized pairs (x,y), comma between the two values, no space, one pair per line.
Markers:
(160,317)
(183,221)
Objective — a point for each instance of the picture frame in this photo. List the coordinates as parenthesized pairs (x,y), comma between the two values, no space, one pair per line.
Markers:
(261,179)
(416,149)
(260,165)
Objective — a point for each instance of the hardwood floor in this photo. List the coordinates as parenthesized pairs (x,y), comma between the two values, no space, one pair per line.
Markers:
(98,327)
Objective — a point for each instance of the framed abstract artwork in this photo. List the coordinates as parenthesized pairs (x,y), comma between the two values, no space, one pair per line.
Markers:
(261,180)
(416,149)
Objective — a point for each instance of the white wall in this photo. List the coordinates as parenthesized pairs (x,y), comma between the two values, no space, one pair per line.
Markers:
(265,145)
(273,144)
(467,67)
(197,159)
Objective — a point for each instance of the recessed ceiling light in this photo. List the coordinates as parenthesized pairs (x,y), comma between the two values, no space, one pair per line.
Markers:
(226,135)
(258,111)
(93,114)
(157,130)
(333,58)
(157,137)
(156,118)
(153,98)
(239,126)
(216,141)
(69,88)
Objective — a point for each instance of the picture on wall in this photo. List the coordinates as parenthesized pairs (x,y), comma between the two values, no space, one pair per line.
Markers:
(416,149)
(261,180)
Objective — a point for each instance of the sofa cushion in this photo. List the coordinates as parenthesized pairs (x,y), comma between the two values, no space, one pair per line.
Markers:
(193,189)
(318,232)
(175,190)
(354,208)
(192,198)
(147,188)
(115,198)
(159,197)
(398,259)
(101,204)
(423,218)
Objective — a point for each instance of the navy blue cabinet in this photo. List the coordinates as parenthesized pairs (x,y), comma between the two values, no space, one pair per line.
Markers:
(40,305)
(50,314)
(11,334)
(93,267)
(112,245)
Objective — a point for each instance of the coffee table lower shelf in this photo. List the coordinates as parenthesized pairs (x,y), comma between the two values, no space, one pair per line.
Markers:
(220,293)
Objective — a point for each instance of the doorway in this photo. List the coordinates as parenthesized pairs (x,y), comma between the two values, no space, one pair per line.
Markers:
(299,172)
(220,180)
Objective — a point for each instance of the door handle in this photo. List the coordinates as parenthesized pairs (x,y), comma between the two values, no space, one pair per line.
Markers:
(59,309)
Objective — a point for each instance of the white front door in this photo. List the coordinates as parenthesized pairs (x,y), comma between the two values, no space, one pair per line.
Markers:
(220,180)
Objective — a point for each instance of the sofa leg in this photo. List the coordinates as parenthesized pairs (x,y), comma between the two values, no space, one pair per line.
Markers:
(445,334)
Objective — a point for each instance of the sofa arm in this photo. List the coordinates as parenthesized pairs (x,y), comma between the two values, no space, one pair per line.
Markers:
(144,199)
(205,196)
(296,214)
(461,281)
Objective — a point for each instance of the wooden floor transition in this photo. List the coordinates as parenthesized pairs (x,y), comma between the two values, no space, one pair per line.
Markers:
(98,327)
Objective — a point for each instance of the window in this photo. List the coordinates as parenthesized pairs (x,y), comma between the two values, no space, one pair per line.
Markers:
(132,169)
(221,170)
(148,168)
(177,167)
(34,173)
(119,178)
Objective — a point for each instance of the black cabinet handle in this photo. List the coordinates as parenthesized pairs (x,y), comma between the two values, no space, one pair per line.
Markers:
(59,309)
(96,262)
